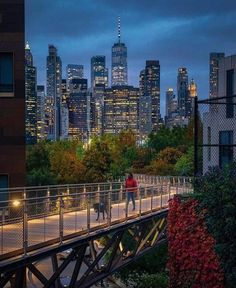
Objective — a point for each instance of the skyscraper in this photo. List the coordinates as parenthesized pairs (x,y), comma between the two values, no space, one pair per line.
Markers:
(182,89)
(214,74)
(54,75)
(40,112)
(79,112)
(121,109)
(99,72)
(74,71)
(97,110)
(171,104)
(149,103)
(64,117)
(119,62)
(30,98)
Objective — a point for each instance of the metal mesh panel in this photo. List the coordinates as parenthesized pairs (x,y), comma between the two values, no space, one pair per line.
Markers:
(216,135)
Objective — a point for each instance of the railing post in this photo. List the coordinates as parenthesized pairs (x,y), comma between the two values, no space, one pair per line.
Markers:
(145,192)
(48,201)
(169,187)
(88,212)
(152,198)
(109,205)
(121,192)
(177,187)
(25,225)
(140,204)
(161,191)
(3,215)
(84,199)
(61,218)
(98,194)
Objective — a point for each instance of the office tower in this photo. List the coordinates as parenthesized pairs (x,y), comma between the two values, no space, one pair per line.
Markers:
(40,113)
(121,109)
(12,96)
(74,71)
(119,62)
(30,98)
(171,103)
(149,104)
(182,90)
(145,108)
(54,76)
(64,119)
(99,72)
(214,73)
(79,112)
(97,110)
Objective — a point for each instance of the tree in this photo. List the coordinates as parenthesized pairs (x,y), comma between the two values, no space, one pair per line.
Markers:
(185,164)
(166,137)
(67,168)
(216,192)
(97,161)
(170,155)
(164,163)
(38,165)
(192,261)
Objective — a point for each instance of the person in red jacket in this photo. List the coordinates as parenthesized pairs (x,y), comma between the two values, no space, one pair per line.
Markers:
(131,187)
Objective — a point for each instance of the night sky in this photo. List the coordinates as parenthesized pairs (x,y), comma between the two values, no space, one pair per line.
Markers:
(175,32)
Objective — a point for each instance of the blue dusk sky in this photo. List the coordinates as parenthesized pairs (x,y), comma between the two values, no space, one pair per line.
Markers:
(178,33)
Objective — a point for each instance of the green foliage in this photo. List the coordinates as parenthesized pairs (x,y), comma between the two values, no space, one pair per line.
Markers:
(217,193)
(164,163)
(108,157)
(166,137)
(143,280)
(185,164)
(97,160)
(40,177)
(158,280)
(38,165)
(152,264)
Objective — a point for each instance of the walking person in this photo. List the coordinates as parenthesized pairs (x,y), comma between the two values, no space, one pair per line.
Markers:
(131,187)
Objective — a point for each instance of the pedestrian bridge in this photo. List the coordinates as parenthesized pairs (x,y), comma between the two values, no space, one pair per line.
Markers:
(38,223)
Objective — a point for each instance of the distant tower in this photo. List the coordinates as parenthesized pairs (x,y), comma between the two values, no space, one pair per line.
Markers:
(30,98)
(54,75)
(214,74)
(171,103)
(79,112)
(182,89)
(119,61)
(99,72)
(40,112)
(74,71)
(121,109)
(192,93)
(149,104)
(64,116)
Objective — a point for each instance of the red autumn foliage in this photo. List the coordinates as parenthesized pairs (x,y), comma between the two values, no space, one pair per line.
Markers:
(192,260)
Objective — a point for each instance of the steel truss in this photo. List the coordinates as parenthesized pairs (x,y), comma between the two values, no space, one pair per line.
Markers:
(121,245)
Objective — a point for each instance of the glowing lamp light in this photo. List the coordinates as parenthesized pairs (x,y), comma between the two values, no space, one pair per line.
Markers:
(16,203)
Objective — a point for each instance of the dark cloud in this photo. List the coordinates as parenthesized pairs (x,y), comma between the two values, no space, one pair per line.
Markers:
(177,32)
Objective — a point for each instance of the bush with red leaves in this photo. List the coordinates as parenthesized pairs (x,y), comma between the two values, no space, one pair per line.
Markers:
(192,260)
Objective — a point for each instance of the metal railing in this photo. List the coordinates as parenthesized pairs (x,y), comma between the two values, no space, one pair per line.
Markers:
(41,216)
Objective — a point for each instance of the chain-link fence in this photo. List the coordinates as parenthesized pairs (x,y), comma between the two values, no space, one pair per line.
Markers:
(215,133)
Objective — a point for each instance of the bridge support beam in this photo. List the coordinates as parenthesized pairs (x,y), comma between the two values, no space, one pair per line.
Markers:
(93,258)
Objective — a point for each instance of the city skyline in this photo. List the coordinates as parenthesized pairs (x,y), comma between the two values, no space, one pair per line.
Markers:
(178,35)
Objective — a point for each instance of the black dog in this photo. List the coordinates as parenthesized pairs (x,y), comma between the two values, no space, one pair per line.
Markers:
(101,207)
